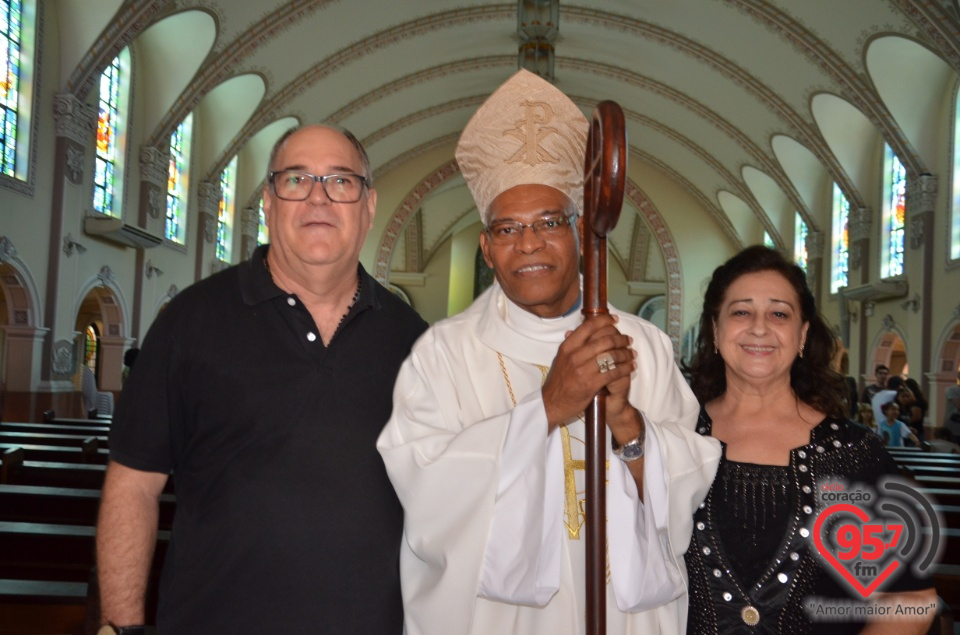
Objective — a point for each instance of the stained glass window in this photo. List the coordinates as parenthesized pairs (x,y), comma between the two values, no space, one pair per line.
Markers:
(841,240)
(800,241)
(108,168)
(178,180)
(263,234)
(955,221)
(894,214)
(768,241)
(10,43)
(90,346)
(228,180)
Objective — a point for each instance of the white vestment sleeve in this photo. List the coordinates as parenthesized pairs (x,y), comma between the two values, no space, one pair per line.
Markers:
(521,563)
(643,572)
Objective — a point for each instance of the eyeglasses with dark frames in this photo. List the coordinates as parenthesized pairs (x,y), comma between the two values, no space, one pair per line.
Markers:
(293,185)
(508,232)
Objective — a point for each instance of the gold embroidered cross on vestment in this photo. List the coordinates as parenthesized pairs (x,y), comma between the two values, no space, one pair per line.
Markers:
(573,510)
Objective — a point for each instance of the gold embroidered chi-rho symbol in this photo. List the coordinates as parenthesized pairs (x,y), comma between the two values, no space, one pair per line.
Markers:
(531,130)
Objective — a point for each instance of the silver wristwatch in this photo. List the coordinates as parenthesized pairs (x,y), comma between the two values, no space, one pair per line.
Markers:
(630,451)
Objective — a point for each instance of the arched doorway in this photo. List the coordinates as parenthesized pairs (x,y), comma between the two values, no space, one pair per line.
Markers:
(100,333)
(947,372)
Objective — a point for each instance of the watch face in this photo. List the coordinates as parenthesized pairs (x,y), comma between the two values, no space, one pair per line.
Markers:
(632,451)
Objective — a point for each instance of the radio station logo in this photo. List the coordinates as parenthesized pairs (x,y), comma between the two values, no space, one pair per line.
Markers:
(868,537)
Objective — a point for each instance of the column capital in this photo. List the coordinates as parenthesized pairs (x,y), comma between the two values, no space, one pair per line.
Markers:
(154,165)
(75,119)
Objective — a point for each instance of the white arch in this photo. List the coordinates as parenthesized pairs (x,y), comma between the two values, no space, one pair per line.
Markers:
(105,280)
(8,256)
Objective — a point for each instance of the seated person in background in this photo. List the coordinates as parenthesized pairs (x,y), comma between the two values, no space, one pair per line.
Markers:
(910,412)
(922,402)
(893,430)
(865,417)
(951,411)
(884,396)
(881,372)
(762,372)
(129,359)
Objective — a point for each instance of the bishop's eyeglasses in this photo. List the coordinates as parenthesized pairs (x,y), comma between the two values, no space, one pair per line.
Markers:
(292,185)
(508,232)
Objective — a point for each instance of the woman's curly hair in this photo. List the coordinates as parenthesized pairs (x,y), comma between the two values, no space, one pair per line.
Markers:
(811,377)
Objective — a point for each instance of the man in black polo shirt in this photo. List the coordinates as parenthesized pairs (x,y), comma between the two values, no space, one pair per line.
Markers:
(262,389)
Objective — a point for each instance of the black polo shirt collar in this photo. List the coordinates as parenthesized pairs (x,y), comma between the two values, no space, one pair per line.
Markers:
(256,284)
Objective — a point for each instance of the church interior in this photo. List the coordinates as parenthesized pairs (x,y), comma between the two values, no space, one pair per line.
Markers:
(136,135)
(137,132)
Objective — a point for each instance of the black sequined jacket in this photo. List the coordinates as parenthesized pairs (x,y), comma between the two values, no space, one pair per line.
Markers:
(765,513)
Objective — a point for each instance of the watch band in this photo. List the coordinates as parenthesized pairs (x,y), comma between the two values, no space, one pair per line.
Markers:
(631,450)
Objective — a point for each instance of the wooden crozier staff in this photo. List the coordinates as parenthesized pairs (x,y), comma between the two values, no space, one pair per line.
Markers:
(603,180)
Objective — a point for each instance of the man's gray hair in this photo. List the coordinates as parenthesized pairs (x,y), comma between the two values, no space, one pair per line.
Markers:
(364,159)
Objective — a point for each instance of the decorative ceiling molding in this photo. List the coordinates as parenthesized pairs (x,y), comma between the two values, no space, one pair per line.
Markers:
(421,115)
(806,130)
(232,55)
(132,19)
(710,206)
(639,252)
(857,88)
(274,104)
(414,153)
(767,162)
(940,25)
(409,205)
(671,260)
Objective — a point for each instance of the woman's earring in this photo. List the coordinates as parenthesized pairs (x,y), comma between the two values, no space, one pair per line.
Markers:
(716,349)
(801,352)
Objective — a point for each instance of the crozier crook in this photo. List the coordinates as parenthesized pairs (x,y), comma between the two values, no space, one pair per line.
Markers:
(603,184)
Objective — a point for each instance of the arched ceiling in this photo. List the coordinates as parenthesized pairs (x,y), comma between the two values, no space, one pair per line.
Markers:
(753,107)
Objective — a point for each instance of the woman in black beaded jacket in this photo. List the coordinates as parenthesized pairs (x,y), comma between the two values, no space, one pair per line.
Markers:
(762,372)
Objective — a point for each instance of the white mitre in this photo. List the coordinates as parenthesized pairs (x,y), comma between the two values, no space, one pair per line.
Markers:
(527,132)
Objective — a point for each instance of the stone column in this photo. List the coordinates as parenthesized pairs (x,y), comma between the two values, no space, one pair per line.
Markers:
(249,230)
(76,123)
(921,202)
(861,224)
(814,246)
(208,202)
(154,173)
(936,391)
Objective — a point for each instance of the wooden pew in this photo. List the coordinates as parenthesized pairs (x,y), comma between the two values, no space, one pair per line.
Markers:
(937,476)
(54,552)
(88,452)
(41,606)
(11,460)
(46,438)
(938,481)
(57,474)
(55,428)
(38,556)
(77,475)
(932,469)
(63,505)
(77,421)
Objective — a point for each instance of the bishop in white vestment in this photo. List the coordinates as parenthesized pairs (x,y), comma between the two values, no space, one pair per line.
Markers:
(485,448)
